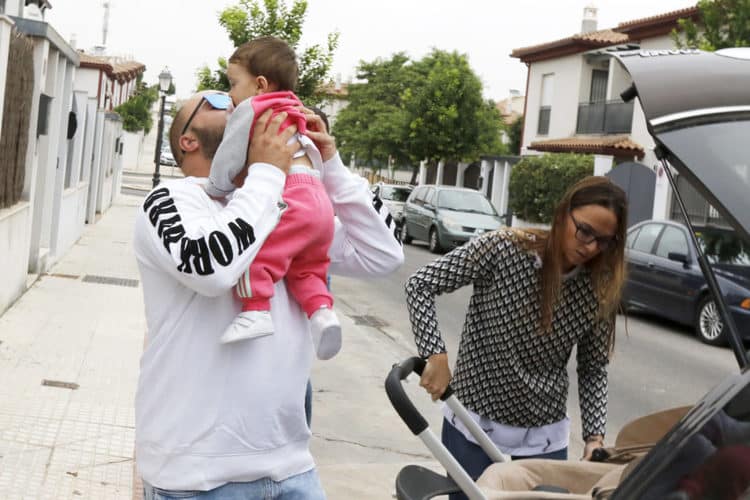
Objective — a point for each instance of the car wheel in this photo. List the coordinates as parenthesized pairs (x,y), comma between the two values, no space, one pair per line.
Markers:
(708,324)
(434,241)
(405,238)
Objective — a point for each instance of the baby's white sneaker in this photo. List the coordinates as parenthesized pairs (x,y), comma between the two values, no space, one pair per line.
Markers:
(248,325)
(326,333)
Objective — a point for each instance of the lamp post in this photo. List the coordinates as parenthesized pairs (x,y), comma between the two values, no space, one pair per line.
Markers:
(165,81)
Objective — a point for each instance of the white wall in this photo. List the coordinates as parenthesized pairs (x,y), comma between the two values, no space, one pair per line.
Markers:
(87,80)
(132,149)
(566,90)
(15,235)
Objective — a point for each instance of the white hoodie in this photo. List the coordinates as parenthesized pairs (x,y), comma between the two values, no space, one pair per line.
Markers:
(209,413)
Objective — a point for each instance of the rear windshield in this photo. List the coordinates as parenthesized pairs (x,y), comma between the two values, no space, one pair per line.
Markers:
(723,247)
(717,157)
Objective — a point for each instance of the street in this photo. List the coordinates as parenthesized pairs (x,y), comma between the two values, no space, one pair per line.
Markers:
(657,364)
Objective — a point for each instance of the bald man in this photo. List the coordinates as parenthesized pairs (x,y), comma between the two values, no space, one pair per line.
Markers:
(216,421)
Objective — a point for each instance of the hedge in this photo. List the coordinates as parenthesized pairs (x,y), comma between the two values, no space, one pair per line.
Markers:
(537,183)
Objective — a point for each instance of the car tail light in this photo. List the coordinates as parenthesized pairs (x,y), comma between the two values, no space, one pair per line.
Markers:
(745,304)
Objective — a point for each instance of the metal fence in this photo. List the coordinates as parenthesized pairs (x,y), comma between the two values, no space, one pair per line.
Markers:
(14,138)
(613,117)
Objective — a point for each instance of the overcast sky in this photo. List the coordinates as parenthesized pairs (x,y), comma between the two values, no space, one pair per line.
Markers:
(185,34)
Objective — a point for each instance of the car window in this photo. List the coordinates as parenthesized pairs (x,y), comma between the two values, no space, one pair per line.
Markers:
(418,197)
(466,201)
(632,235)
(672,240)
(430,197)
(646,237)
(394,193)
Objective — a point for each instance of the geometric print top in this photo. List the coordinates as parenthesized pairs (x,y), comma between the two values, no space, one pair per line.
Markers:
(506,370)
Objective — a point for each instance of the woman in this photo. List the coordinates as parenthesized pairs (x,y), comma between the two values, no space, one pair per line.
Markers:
(536,295)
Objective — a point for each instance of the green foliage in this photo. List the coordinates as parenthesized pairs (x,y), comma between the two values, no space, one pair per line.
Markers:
(373,123)
(136,111)
(723,24)
(537,183)
(250,19)
(515,131)
(430,109)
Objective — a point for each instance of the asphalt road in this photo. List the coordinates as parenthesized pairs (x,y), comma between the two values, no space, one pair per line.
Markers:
(656,365)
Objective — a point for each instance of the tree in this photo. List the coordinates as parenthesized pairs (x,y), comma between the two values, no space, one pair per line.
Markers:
(136,111)
(372,126)
(250,19)
(515,131)
(447,116)
(723,23)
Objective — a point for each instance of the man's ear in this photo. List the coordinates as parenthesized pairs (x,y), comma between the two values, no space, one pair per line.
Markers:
(188,143)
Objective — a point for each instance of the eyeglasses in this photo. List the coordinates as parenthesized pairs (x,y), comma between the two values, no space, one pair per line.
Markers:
(216,101)
(586,235)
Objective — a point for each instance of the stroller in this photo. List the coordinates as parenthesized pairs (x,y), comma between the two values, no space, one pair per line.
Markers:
(697,108)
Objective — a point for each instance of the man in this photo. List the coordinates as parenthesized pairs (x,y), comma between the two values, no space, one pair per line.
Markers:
(227,421)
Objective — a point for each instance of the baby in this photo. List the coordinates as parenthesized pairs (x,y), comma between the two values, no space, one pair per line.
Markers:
(261,74)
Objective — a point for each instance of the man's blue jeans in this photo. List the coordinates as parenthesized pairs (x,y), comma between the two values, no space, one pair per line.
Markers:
(305,486)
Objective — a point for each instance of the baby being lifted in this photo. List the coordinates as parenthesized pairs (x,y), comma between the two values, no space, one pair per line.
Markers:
(261,74)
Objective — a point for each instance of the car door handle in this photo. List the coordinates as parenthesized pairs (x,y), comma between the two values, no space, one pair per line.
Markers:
(650,265)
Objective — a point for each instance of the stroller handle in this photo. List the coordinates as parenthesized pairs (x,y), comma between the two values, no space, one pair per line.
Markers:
(400,401)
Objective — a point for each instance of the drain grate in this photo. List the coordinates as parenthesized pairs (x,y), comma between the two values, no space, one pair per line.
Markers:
(368,320)
(60,384)
(108,280)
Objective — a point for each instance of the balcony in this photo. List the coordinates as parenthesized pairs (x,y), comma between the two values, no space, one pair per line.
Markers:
(611,117)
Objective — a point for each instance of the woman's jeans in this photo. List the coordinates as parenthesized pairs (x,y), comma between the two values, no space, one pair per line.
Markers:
(305,486)
(473,459)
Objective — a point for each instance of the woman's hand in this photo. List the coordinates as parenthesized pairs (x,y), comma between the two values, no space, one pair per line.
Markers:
(592,443)
(436,375)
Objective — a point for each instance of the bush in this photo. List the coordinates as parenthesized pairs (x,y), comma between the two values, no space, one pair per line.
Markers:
(537,183)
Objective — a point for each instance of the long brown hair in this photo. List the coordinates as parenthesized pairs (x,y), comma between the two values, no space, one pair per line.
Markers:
(607,268)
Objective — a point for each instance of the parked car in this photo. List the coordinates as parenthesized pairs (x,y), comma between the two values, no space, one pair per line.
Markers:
(394,196)
(166,158)
(664,277)
(446,216)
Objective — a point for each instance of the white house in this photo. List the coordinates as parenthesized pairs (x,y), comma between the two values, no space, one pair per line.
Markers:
(60,152)
(573,96)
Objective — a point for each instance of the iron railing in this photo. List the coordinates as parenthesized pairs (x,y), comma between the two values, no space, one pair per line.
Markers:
(608,117)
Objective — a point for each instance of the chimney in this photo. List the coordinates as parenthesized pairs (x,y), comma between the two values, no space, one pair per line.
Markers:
(589,19)
(73,42)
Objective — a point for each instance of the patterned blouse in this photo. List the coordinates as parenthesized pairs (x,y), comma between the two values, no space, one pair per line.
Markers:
(506,370)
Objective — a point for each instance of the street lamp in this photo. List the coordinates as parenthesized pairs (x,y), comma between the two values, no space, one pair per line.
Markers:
(165,81)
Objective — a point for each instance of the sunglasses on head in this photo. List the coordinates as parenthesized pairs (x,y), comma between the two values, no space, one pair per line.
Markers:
(216,101)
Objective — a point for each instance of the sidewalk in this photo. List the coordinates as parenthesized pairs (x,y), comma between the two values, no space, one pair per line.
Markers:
(69,352)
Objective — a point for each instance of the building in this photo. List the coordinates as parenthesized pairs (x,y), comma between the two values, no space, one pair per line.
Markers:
(573,96)
(60,144)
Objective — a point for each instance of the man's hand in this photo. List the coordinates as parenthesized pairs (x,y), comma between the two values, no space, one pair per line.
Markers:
(316,130)
(436,375)
(268,145)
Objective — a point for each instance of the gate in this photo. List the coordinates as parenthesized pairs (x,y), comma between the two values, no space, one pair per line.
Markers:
(638,181)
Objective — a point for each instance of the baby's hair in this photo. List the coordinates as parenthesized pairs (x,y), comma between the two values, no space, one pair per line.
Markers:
(271,58)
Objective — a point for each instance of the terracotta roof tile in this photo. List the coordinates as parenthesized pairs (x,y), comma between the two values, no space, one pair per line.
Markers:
(625,32)
(616,145)
(120,69)
(667,16)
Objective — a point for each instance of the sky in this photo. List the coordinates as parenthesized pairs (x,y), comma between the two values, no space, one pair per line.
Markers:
(184,35)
